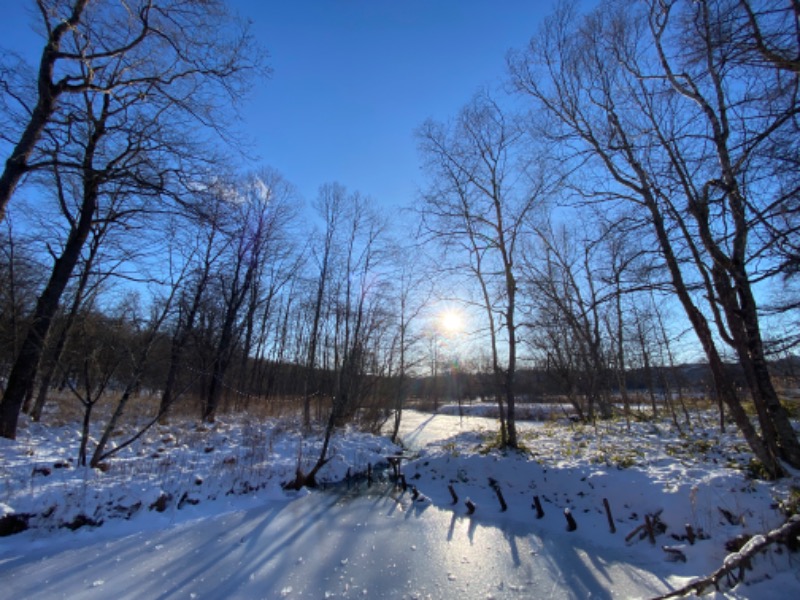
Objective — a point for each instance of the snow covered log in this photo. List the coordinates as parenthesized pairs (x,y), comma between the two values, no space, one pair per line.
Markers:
(788,533)
(12,523)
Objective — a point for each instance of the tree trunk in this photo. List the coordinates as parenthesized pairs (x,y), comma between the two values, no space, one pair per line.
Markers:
(17,164)
(87,419)
(214,393)
(63,336)
(23,373)
(722,382)
(133,384)
(181,336)
(775,423)
(400,392)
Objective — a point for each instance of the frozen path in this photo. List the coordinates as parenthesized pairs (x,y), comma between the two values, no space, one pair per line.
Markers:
(418,429)
(377,545)
(365,543)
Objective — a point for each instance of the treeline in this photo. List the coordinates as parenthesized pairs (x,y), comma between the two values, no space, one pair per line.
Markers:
(631,205)
(242,307)
(138,255)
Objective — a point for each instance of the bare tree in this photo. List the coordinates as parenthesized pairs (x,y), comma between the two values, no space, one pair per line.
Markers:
(19,280)
(278,266)
(263,320)
(23,372)
(330,205)
(565,288)
(148,335)
(410,297)
(357,315)
(112,155)
(650,102)
(187,53)
(83,290)
(771,33)
(478,201)
(48,92)
(98,358)
(256,218)
(203,256)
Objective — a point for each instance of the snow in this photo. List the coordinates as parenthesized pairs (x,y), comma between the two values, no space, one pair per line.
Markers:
(198,511)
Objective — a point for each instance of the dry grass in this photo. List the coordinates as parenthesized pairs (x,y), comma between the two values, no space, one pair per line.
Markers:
(63,408)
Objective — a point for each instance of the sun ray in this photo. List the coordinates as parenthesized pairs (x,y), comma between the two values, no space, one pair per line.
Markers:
(451,321)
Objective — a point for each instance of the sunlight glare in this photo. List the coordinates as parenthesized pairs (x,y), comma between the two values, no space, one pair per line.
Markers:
(452,322)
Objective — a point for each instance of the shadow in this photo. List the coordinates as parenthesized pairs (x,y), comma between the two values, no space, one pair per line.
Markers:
(473,526)
(512,544)
(409,439)
(337,543)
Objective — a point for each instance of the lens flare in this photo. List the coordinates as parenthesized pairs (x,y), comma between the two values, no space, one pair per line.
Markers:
(451,322)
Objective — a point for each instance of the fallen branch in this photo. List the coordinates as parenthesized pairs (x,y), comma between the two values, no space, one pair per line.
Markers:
(652,526)
(786,533)
(631,535)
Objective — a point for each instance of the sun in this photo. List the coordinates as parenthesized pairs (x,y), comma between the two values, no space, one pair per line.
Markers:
(451,322)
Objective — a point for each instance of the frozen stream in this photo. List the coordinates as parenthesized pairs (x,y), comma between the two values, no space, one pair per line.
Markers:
(326,546)
(364,544)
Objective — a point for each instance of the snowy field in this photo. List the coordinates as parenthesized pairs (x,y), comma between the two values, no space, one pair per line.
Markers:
(199,512)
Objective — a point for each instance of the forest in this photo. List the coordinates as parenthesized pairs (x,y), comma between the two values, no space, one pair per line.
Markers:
(616,227)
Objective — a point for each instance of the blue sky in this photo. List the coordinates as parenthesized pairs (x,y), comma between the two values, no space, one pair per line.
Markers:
(353,79)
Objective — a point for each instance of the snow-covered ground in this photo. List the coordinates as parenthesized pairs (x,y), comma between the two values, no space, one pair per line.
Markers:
(178,471)
(198,511)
